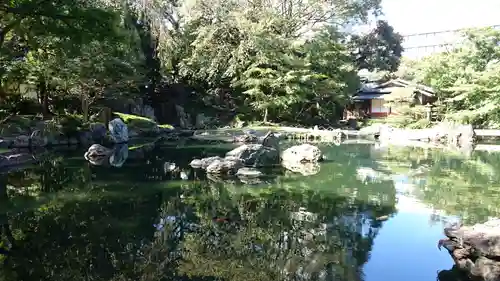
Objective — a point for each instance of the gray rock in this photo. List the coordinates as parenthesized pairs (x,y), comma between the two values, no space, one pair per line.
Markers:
(271,140)
(251,155)
(246,138)
(302,153)
(457,136)
(227,165)
(216,167)
(205,162)
(168,167)
(255,155)
(196,163)
(118,130)
(248,172)
(475,249)
(97,154)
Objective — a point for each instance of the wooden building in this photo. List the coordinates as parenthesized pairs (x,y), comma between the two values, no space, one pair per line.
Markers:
(376,100)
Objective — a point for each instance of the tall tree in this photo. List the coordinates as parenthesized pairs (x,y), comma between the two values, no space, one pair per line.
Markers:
(379,50)
(466,78)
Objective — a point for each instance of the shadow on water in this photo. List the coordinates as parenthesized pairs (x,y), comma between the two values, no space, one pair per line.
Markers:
(65,219)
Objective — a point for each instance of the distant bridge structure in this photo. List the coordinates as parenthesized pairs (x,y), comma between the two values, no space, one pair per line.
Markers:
(422,44)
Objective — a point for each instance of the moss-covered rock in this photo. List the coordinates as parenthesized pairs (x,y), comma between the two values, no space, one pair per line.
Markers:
(142,126)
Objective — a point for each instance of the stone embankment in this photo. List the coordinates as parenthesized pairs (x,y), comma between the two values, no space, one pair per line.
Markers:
(475,249)
(22,147)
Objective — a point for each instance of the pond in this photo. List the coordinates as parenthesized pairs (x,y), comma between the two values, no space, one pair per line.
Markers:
(370,213)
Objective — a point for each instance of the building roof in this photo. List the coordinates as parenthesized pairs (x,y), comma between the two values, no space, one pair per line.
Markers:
(392,89)
(371,96)
(428,91)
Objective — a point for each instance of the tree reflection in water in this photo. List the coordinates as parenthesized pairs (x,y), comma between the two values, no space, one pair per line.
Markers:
(97,223)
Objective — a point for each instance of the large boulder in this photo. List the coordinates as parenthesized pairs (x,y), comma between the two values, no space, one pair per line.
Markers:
(246,138)
(258,155)
(302,153)
(118,130)
(250,155)
(249,175)
(249,172)
(475,249)
(205,162)
(227,165)
(255,155)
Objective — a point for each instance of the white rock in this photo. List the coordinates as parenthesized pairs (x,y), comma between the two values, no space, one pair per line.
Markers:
(118,130)
(249,172)
(302,153)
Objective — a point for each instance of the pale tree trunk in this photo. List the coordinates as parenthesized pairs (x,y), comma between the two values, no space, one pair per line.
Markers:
(85,107)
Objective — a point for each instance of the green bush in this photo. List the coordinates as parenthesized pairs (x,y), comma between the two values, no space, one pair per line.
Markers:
(71,124)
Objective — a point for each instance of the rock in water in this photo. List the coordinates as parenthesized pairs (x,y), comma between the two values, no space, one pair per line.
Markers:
(302,153)
(205,162)
(250,155)
(475,249)
(249,172)
(227,165)
(246,138)
(255,155)
(271,140)
(118,130)
(249,175)
(97,154)
(169,167)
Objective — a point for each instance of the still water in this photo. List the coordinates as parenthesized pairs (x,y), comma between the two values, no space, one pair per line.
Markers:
(370,213)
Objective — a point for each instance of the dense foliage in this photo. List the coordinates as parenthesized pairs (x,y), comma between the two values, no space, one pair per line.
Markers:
(269,60)
(467,78)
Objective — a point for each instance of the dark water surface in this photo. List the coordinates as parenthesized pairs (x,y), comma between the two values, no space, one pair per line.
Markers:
(370,213)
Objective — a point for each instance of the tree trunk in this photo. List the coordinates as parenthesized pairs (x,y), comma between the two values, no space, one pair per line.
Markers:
(266,112)
(149,46)
(85,107)
(44,97)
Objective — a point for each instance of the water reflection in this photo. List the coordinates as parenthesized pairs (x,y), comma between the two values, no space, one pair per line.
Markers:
(155,218)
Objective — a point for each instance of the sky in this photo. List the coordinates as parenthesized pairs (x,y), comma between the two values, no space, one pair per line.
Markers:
(420,16)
